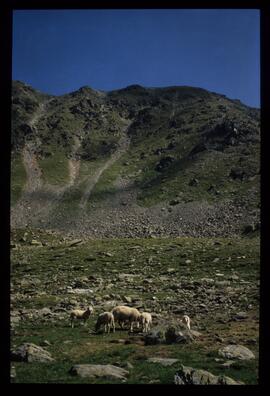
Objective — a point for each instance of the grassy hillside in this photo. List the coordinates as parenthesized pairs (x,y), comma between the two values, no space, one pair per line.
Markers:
(211,280)
(55,166)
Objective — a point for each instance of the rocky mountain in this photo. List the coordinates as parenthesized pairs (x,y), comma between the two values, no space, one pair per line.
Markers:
(135,162)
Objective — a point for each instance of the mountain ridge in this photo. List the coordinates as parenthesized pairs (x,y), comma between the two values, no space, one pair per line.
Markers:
(134,86)
(186,145)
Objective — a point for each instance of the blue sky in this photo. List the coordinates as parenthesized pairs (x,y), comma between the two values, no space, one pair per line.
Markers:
(58,51)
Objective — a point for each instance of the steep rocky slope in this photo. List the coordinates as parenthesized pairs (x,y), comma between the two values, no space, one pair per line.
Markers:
(135,162)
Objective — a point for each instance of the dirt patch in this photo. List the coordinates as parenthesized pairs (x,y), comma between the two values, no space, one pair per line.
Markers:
(37,198)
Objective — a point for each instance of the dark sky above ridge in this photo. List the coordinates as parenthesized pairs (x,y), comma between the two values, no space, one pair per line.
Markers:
(58,51)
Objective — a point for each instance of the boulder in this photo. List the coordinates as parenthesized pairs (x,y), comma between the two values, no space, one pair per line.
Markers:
(44,312)
(80,291)
(208,281)
(241,316)
(171,271)
(190,376)
(175,335)
(74,242)
(155,336)
(195,333)
(163,361)
(127,299)
(236,352)
(29,352)
(35,242)
(94,371)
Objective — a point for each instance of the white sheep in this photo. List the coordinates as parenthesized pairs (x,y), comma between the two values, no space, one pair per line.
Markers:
(146,320)
(186,321)
(105,319)
(123,314)
(80,315)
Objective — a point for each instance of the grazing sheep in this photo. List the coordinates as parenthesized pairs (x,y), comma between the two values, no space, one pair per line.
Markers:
(186,321)
(146,320)
(105,319)
(124,314)
(80,315)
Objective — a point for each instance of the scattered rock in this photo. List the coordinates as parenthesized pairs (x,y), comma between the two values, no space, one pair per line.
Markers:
(44,312)
(163,361)
(241,316)
(171,270)
(29,352)
(228,364)
(80,291)
(155,336)
(202,305)
(14,320)
(74,242)
(208,281)
(236,352)
(251,341)
(35,242)
(190,376)
(193,182)
(127,299)
(94,371)
(174,202)
(212,189)
(89,258)
(174,335)
(222,283)
(219,339)
(45,343)
(195,333)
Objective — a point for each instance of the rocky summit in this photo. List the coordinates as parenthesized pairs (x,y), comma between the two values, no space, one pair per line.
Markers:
(135,162)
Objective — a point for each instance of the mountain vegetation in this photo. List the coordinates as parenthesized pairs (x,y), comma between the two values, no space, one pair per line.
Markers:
(176,157)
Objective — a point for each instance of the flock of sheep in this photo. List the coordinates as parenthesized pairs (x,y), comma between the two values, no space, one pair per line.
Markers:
(121,314)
